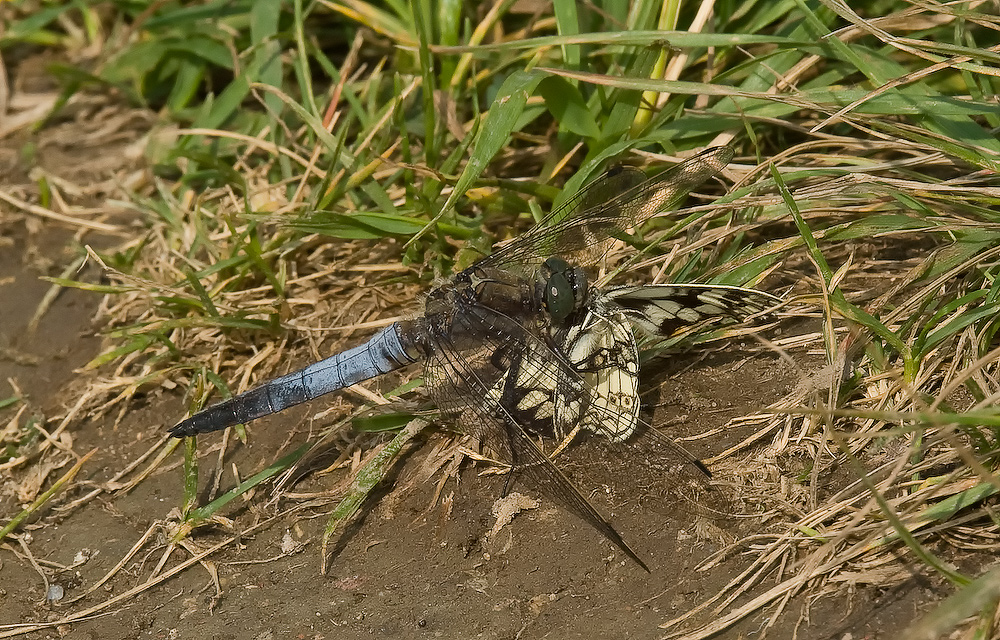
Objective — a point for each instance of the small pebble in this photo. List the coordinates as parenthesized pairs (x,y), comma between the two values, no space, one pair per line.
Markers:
(55,593)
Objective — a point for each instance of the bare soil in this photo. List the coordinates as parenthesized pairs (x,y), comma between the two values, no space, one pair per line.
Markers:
(411,567)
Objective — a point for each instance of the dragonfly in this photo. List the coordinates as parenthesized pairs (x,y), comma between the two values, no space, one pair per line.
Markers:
(521,345)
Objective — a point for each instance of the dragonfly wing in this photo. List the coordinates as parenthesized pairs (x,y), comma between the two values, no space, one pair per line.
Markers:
(503,386)
(622,198)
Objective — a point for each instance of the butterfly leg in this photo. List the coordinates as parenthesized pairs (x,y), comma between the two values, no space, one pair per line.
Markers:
(570,437)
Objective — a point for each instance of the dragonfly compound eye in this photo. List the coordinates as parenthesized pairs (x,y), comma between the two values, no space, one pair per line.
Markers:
(559,297)
(563,289)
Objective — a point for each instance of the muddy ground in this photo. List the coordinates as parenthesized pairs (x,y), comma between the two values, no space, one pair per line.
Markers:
(411,567)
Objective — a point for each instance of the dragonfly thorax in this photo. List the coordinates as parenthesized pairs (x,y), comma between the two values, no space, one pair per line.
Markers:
(561,289)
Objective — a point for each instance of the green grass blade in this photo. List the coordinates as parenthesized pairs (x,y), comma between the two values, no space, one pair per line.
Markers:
(203,514)
(367,478)
(500,122)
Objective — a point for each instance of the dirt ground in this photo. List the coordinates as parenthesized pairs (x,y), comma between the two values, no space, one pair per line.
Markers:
(410,568)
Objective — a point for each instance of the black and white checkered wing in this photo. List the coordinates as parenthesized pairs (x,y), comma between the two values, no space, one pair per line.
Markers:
(604,396)
(667,310)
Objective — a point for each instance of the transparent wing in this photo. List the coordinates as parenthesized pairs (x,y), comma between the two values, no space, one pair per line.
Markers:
(507,378)
(492,370)
(622,198)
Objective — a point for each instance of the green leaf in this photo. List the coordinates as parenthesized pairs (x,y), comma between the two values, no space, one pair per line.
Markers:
(957,324)
(566,104)
(381,422)
(366,225)
(87,286)
(368,477)
(202,514)
(499,124)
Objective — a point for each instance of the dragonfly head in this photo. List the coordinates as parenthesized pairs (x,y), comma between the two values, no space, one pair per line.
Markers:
(561,289)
